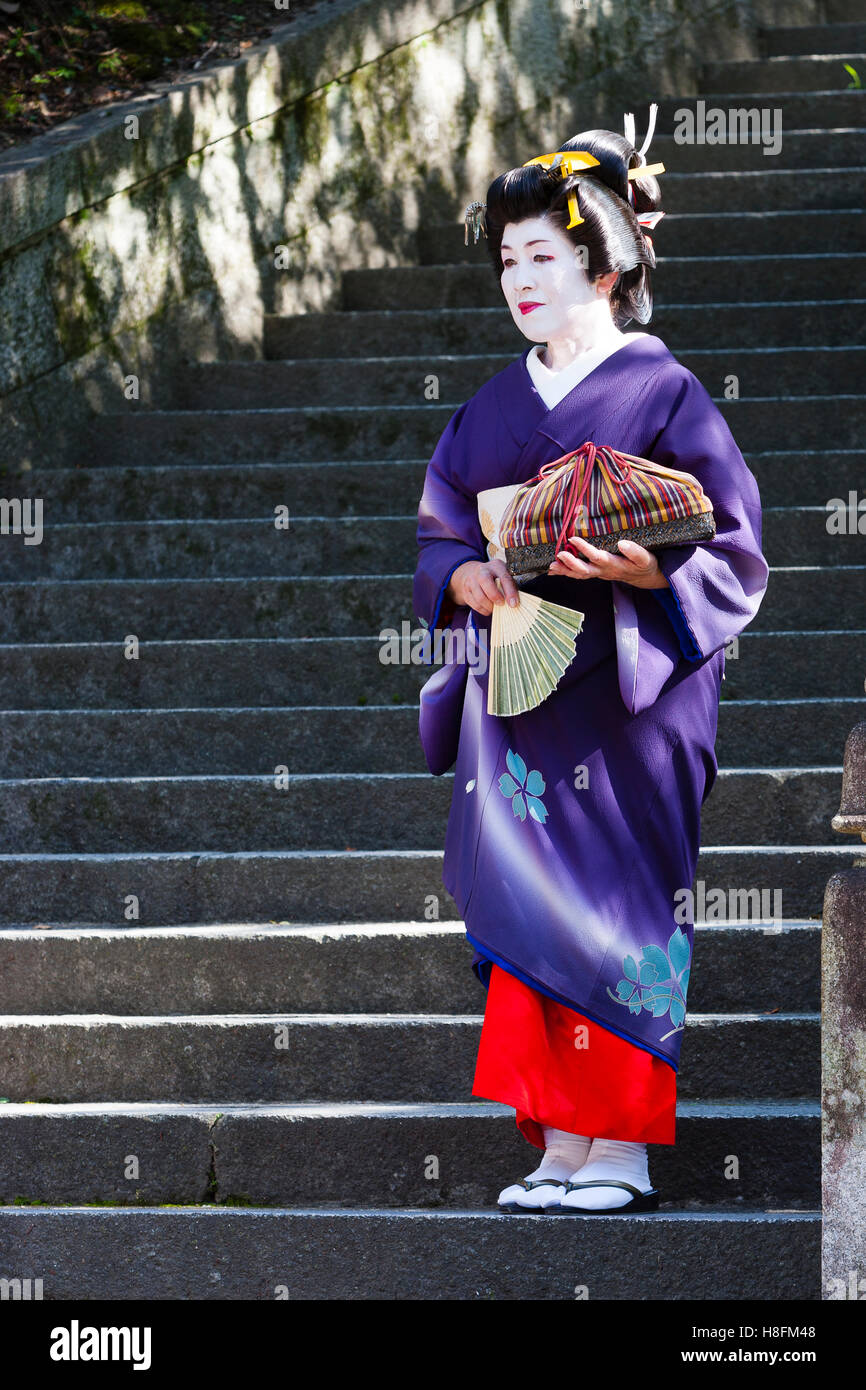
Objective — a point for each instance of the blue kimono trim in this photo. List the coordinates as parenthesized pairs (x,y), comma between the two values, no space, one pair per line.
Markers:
(440,600)
(490,956)
(670,602)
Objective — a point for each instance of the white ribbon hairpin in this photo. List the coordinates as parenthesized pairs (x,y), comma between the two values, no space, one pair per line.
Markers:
(629,128)
(646,219)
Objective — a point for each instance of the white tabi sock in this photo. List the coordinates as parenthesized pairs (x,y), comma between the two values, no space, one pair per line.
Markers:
(562,1154)
(610,1158)
(562,1148)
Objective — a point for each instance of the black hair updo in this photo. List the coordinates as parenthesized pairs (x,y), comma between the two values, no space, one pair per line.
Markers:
(610,231)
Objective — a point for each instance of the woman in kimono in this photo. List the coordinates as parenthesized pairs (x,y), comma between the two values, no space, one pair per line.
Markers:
(574,829)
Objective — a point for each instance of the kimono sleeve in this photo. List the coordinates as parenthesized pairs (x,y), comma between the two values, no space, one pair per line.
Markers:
(449,532)
(716,586)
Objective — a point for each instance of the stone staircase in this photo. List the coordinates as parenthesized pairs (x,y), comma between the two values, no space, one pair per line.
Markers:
(237,1055)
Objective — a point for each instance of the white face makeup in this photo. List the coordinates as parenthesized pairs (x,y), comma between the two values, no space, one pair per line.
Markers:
(547,289)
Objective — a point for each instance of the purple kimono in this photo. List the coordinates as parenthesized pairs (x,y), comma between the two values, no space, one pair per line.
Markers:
(575,828)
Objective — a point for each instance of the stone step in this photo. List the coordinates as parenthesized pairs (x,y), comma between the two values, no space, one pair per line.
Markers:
(815,38)
(327,545)
(753,141)
(266,1155)
(767,188)
(366,333)
(701,234)
(837,108)
(776,666)
(763,77)
(809,729)
(371,968)
(683,280)
(296,434)
(348,1057)
(403,380)
(58,610)
(197,886)
(185,677)
(361,738)
(382,487)
(216,1253)
(350,811)
(843,11)
(784,477)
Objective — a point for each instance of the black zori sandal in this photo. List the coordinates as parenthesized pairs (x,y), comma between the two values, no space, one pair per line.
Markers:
(515,1207)
(641,1201)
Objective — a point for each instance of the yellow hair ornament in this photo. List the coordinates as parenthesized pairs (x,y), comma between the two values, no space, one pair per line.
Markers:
(568,162)
(576,162)
(643,169)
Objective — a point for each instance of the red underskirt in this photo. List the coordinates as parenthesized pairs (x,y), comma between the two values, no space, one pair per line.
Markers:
(605,1087)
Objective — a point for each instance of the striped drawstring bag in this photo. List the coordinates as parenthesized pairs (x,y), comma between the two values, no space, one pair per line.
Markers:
(604,496)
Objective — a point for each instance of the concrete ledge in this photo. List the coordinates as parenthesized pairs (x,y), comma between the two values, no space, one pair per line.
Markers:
(72,686)
(285,887)
(335,811)
(364,969)
(343,1057)
(264,1255)
(413,1155)
(101,610)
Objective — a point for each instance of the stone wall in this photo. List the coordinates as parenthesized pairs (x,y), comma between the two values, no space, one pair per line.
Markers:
(127,249)
(843,1048)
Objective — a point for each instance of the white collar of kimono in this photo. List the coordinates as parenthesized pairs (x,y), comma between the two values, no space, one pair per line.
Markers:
(552,387)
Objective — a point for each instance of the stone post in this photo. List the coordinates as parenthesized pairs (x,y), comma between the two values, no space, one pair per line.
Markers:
(843,1048)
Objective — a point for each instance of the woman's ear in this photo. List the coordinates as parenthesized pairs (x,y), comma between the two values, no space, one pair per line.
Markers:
(605,283)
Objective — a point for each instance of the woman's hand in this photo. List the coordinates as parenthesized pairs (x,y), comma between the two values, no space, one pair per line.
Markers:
(631,564)
(473,584)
